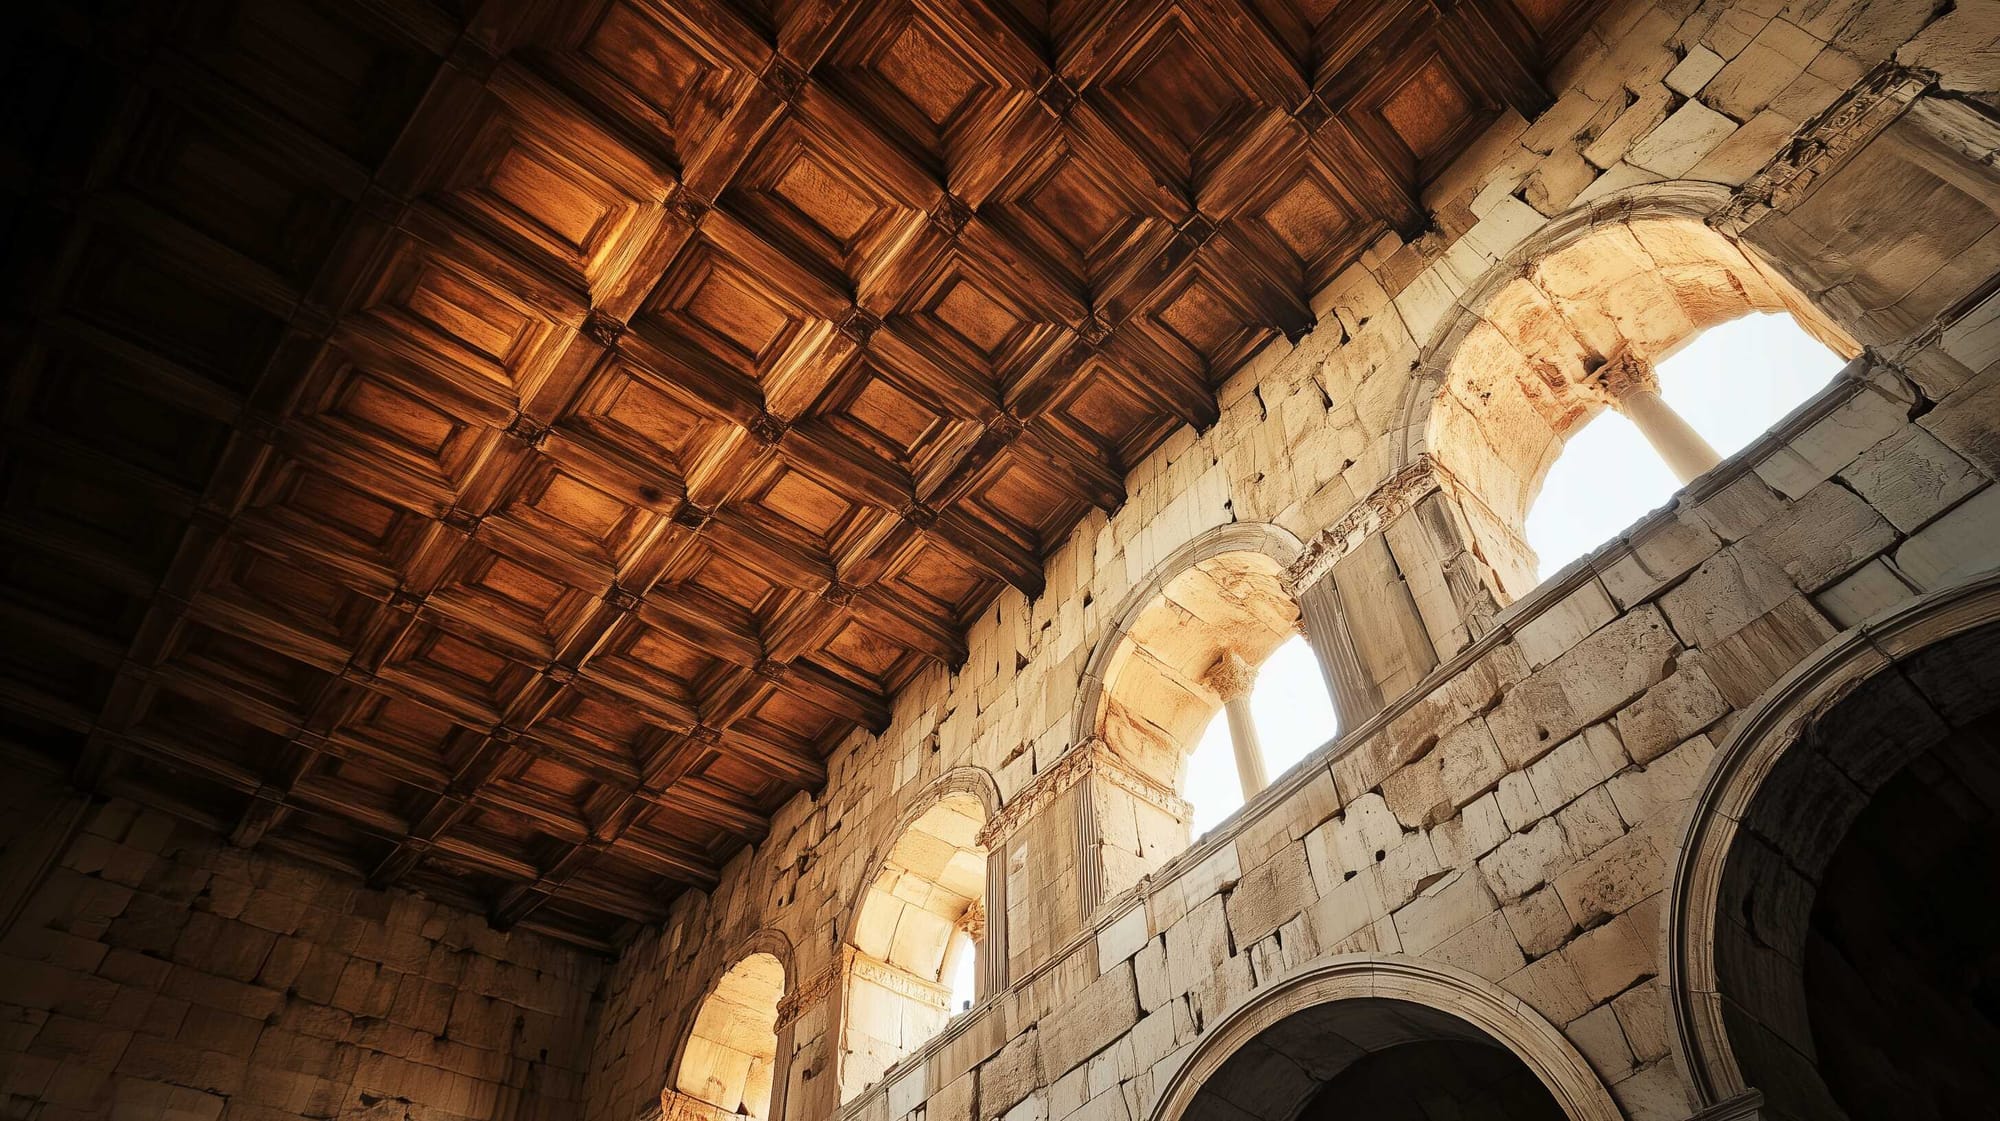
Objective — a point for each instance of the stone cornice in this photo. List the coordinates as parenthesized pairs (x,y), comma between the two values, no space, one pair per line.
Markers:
(1858,117)
(807,994)
(1395,497)
(1091,757)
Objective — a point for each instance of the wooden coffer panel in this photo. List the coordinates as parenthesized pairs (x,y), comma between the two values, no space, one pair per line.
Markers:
(502,448)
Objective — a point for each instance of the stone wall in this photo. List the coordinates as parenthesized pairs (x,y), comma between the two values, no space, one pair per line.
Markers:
(1509,811)
(155,972)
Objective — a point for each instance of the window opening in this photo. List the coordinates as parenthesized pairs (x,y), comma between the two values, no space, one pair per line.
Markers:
(1727,386)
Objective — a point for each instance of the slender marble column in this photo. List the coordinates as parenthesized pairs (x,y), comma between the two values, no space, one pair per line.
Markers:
(1628,380)
(1231,677)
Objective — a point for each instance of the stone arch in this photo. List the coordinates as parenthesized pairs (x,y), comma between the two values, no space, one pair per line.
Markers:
(1866,704)
(731,1047)
(1352,990)
(1132,680)
(1512,373)
(926,896)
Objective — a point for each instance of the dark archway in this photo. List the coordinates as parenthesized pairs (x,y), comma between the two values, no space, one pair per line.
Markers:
(1857,943)
(1455,1078)
(1373,1058)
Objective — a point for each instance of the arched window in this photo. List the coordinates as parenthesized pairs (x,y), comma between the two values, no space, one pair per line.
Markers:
(727,1062)
(1729,384)
(922,920)
(1209,689)
(1586,329)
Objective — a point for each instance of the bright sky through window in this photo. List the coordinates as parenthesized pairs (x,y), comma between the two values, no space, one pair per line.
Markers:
(961,981)
(1294,716)
(1732,383)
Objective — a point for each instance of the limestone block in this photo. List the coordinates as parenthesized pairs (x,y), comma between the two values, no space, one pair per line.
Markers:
(1122,937)
(1823,536)
(1957,545)
(1591,821)
(1034,1108)
(1476,831)
(1967,418)
(1662,550)
(1614,665)
(1351,842)
(1196,945)
(1694,71)
(1485,948)
(1539,921)
(1556,182)
(906,1090)
(1613,878)
(1442,910)
(1011,1075)
(1407,869)
(1763,650)
(1599,1036)
(1609,958)
(1149,968)
(1617,177)
(1659,787)
(1533,717)
(1746,151)
(1867,591)
(1642,1014)
(1682,704)
(1519,805)
(954,1101)
(1725,594)
(1415,793)
(1560,626)
(1679,142)
(1350,907)
(1527,860)
(1550,986)
(1867,418)
(1767,64)
(1640,117)
(1469,763)
(1578,764)
(1269,895)
(1910,477)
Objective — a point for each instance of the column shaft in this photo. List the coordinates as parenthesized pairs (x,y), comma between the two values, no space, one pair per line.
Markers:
(1686,454)
(1243,738)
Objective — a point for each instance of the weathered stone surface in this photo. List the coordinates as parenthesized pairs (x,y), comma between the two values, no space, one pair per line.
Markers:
(1269,895)
(1683,703)
(1092,1019)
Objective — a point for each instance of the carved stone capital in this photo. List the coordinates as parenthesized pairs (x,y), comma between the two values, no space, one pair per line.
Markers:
(1626,372)
(1397,495)
(1091,758)
(973,921)
(1230,677)
(1858,117)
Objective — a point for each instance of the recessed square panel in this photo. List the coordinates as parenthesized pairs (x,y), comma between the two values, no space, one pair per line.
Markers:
(729,313)
(1174,100)
(1429,109)
(461,674)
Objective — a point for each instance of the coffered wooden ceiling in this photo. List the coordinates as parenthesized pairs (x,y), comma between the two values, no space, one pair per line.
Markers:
(501,450)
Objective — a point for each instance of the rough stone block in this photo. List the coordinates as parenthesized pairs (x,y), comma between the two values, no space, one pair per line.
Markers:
(1527,860)
(1269,895)
(1727,592)
(1683,703)
(1910,477)
(1823,536)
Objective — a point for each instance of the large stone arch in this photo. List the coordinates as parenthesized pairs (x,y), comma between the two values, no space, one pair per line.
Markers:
(1452,995)
(1254,554)
(768,945)
(1765,753)
(1507,376)
(887,979)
